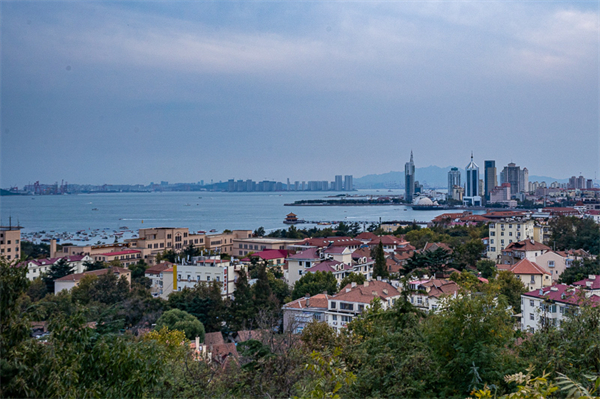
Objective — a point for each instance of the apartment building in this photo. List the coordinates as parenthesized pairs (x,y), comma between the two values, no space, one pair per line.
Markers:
(10,242)
(242,246)
(551,305)
(156,277)
(127,257)
(532,275)
(300,262)
(353,299)
(206,269)
(503,232)
(297,314)
(431,292)
(526,249)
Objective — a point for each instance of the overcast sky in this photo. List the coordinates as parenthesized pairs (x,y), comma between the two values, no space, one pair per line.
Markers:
(134,92)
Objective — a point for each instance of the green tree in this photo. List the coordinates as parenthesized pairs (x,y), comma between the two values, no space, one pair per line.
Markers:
(168,255)
(508,284)
(580,270)
(242,310)
(94,265)
(380,268)
(487,268)
(357,278)
(37,289)
(260,232)
(60,269)
(470,252)
(292,232)
(575,233)
(261,290)
(180,320)
(204,301)
(315,283)
(138,273)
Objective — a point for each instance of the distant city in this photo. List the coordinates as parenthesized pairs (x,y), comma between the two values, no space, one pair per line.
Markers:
(511,183)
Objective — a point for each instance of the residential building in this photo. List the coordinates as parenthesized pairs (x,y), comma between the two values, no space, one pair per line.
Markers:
(242,246)
(338,185)
(348,184)
(73,280)
(297,314)
(526,249)
(553,304)
(127,257)
(10,242)
(552,262)
(590,284)
(499,194)
(37,267)
(272,257)
(518,179)
(206,269)
(353,299)
(428,292)
(156,277)
(300,262)
(409,180)
(504,231)
(530,273)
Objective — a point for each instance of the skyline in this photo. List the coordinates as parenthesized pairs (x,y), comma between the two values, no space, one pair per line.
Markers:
(133,92)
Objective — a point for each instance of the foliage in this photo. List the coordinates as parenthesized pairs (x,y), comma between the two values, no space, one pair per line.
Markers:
(204,301)
(315,283)
(168,255)
(57,270)
(431,262)
(487,268)
(37,289)
(330,375)
(380,267)
(241,310)
(180,320)
(357,278)
(171,340)
(511,287)
(575,233)
(94,265)
(260,232)
(580,270)
(30,250)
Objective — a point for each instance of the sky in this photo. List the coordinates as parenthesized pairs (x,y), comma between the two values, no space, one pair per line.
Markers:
(139,92)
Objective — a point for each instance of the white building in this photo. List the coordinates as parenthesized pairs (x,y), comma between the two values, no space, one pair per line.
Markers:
(552,304)
(37,267)
(432,290)
(157,278)
(297,314)
(353,299)
(205,269)
(300,262)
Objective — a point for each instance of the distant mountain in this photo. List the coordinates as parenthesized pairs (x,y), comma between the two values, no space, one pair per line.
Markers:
(430,176)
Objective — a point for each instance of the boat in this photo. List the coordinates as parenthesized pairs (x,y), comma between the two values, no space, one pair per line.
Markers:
(94,209)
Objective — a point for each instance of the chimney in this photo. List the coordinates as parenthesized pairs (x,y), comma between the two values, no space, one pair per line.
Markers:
(541,291)
(385,291)
(374,293)
(52,248)
(366,284)
(592,277)
(197,343)
(589,283)
(348,289)
(353,284)
(378,278)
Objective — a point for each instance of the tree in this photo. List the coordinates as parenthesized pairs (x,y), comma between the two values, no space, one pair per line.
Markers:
(204,301)
(37,289)
(180,320)
(242,310)
(430,261)
(260,232)
(262,293)
(487,268)
(292,232)
(509,285)
(470,252)
(138,273)
(575,233)
(580,270)
(168,255)
(380,268)
(315,283)
(60,269)
(94,265)
(357,278)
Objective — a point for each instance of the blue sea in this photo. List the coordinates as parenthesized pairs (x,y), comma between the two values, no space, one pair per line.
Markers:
(196,210)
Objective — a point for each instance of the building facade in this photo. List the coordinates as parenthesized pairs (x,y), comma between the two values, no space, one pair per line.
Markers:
(10,242)
(453,180)
(503,232)
(472,195)
(491,179)
(409,180)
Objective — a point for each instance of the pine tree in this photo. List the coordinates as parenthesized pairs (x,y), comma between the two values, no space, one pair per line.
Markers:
(380,269)
(262,290)
(242,310)
(58,270)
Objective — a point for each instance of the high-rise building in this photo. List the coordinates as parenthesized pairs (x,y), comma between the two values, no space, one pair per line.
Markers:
(338,185)
(409,179)
(453,180)
(472,193)
(491,180)
(589,183)
(348,183)
(518,179)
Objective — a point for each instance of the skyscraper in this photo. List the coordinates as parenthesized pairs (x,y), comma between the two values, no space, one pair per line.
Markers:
(514,175)
(453,180)
(338,183)
(491,180)
(409,179)
(348,184)
(472,189)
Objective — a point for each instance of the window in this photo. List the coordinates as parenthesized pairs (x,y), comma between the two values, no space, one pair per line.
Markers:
(492,241)
(492,233)
(531,316)
(307,264)
(510,234)
(346,319)
(185,234)
(346,306)
(531,303)
(300,272)
(502,233)
(8,242)
(241,246)
(189,277)
(532,279)
(162,244)
(168,236)
(334,317)
(493,249)
(218,278)
(179,277)
(207,278)
(550,263)
(332,305)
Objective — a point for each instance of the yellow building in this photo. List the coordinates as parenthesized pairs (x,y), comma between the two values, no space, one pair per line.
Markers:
(10,242)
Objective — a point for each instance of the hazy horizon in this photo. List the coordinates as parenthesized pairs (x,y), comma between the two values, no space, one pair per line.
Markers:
(133,92)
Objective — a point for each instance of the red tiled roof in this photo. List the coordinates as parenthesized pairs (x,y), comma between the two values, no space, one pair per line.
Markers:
(269,254)
(316,301)
(126,252)
(79,276)
(366,236)
(157,269)
(367,292)
(310,253)
(595,283)
(527,267)
(527,245)
(572,295)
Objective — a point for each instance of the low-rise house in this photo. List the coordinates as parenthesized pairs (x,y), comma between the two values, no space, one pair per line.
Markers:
(126,257)
(37,267)
(552,304)
(242,246)
(72,280)
(333,241)
(337,268)
(273,257)
(428,292)
(526,249)
(353,299)
(206,269)
(553,262)
(300,262)
(297,314)
(531,274)
(156,276)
